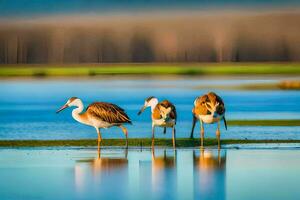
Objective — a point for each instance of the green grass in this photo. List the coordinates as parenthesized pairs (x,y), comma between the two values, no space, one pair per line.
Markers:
(252,86)
(182,142)
(40,70)
(279,122)
(136,142)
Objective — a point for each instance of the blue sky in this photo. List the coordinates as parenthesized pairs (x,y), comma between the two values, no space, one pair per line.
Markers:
(19,8)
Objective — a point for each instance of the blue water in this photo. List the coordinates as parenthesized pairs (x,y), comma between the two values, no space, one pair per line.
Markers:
(141,174)
(27,107)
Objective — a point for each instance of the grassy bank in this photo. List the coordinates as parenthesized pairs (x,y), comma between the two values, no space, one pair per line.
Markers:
(282,85)
(278,122)
(136,142)
(40,70)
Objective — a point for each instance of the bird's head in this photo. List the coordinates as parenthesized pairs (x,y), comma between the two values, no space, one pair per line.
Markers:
(149,102)
(73,101)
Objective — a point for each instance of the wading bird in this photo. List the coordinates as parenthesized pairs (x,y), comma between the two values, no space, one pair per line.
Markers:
(163,115)
(208,109)
(99,115)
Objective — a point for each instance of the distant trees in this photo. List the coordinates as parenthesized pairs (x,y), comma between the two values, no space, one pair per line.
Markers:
(220,38)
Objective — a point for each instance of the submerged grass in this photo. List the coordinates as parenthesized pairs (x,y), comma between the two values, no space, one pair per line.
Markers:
(136,142)
(41,70)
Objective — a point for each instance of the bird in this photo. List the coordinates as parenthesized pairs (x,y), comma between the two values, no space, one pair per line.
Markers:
(208,108)
(163,115)
(98,115)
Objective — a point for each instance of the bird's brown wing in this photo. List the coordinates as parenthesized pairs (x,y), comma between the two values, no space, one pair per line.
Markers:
(156,113)
(200,108)
(214,98)
(167,104)
(108,112)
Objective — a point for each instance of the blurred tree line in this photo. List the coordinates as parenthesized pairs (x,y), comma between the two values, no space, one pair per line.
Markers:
(224,37)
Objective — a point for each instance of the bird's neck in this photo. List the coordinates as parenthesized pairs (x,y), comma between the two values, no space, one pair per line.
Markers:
(76,113)
(153,104)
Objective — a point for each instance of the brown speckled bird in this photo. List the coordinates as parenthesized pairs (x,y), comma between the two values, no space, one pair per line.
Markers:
(208,109)
(163,115)
(99,115)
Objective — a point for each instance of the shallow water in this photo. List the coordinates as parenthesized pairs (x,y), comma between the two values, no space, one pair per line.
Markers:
(27,107)
(74,173)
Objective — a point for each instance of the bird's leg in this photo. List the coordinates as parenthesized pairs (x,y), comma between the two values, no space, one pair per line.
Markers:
(193,126)
(165,130)
(201,132)
(174,136)
(153,127)
(126,134)
(99,137)
(218,134)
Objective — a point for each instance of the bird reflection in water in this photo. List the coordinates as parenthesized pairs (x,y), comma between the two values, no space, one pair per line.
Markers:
(211,174)
(159,162)
(155,174)
(209,159)
(163,172)
(107,163)
(101,166)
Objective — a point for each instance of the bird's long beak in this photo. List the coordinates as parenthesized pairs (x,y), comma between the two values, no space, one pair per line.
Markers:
(62,108)
(142,110)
